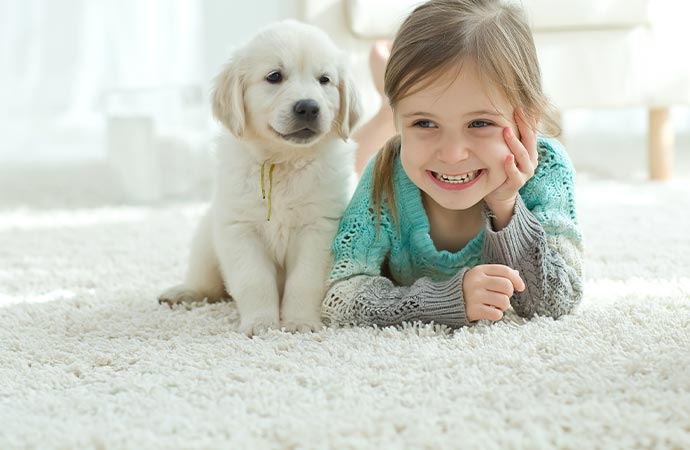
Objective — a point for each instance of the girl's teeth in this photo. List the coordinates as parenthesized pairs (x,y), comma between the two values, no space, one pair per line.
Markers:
(457,179)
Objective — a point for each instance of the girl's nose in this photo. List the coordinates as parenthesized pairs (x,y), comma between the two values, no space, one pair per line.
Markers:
(453,150)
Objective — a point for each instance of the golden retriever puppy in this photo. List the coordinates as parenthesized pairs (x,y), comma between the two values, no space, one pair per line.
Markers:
(285,173)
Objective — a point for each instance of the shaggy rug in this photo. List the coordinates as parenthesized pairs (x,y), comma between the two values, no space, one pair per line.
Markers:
(88,359)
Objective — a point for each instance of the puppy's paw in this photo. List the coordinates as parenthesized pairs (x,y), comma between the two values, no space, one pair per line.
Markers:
(301,326)
(179,294)
(257,326)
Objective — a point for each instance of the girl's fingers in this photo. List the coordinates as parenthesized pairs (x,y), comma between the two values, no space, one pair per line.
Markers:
(516,279)
(513,173)
(500,285)
(496,270)
(528,136)
(500,270)
(522,156)
(489,313)
(496,300)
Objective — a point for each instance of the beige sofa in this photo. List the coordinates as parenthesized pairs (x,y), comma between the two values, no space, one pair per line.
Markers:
(593,54)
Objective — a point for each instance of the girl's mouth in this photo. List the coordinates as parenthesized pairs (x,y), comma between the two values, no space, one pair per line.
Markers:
(455,182)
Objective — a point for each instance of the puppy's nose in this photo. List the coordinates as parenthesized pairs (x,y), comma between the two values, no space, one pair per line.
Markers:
(306,109)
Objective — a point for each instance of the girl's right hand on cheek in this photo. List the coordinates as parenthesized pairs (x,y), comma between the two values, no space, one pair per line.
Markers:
(487,289)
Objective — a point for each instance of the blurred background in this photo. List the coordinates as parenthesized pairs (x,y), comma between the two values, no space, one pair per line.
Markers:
(106,102)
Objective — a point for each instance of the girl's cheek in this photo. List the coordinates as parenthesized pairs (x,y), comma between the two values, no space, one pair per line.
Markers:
(493,143)
(499,156)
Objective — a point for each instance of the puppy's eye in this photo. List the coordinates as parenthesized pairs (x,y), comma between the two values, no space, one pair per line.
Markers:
(274,77)
(325,79)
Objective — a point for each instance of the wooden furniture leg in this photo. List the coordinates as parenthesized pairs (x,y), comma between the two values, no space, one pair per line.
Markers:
(661,143)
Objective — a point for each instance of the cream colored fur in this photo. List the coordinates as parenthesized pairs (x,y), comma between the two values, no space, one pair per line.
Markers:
(276,270)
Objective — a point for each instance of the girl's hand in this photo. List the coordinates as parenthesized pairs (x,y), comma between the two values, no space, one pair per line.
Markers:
(487,289)
(519,166)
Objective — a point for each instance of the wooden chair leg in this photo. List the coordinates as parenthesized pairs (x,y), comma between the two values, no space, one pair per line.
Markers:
(661,143)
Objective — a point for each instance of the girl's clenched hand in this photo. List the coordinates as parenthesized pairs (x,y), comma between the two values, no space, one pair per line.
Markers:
(487,289)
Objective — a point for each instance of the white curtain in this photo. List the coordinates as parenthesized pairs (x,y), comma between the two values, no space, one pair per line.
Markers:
(66,65)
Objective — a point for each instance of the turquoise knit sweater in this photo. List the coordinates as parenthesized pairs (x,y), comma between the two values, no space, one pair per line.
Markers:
(542,242)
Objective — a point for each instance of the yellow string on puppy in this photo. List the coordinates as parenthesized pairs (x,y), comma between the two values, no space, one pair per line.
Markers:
(270,187)
(263,191)
(270,190)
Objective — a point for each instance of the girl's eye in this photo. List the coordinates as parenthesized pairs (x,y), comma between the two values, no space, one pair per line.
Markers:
(325,79)
(274,77)
(479,124)
(424,124)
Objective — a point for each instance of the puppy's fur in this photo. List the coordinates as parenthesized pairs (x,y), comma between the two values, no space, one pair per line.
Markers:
(288,100)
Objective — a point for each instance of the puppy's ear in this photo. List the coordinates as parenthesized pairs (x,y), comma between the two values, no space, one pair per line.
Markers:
(350,105)
(227,98)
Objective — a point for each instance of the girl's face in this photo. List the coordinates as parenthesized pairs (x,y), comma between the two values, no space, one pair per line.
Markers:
(452,139)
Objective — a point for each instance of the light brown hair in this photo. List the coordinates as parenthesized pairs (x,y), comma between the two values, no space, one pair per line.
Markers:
(436,38)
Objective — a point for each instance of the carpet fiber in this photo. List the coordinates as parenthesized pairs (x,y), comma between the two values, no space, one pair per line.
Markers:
(88,359)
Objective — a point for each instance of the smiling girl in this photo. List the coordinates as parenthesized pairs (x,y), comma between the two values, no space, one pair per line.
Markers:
(467,210)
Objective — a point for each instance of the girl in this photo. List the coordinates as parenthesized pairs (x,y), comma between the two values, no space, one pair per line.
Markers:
(466,211)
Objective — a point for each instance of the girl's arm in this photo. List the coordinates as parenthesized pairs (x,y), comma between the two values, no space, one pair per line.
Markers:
(374,300)
(542,240)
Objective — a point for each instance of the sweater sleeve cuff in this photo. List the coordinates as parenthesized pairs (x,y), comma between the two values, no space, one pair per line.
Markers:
(516,240)
(444,302)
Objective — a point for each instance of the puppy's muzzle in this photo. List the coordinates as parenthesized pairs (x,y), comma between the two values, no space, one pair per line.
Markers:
(304,123)
(306,111)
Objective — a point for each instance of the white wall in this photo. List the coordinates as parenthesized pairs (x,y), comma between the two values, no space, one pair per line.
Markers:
(229,23)
(67,64)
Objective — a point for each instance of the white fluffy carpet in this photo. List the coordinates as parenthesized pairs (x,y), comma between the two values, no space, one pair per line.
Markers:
(88,359)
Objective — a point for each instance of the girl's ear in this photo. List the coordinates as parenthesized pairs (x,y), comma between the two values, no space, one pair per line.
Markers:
(350,106)
(227,98)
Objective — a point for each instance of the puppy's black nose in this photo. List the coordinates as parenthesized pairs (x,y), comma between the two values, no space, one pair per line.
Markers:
(306,109)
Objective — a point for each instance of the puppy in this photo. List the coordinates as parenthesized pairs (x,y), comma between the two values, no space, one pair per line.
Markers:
(285,174)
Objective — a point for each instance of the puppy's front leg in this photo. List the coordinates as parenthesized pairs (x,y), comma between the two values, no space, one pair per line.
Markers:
(308,262)
(250,276)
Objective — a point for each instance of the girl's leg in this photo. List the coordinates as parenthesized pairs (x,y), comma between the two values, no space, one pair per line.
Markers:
(373,134)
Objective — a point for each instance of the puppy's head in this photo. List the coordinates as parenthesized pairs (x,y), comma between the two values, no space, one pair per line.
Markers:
(289,85)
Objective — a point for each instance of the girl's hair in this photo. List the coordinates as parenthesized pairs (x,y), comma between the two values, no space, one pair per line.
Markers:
(437,37)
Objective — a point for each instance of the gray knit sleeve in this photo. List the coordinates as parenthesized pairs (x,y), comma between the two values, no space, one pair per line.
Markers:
(368,300)
(550,265)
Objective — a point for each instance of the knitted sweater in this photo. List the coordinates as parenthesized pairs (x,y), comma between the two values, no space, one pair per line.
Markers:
(542,241)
